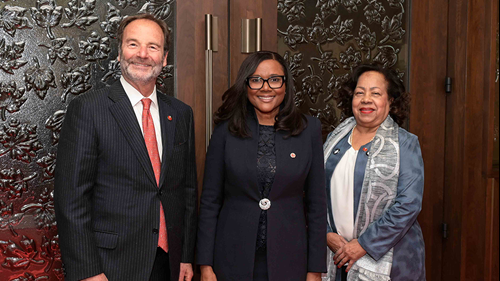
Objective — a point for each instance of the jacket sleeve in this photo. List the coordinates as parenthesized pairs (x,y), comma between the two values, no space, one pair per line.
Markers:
(211,196)
(74,181)
(384,233)
(191,189)
(315,192)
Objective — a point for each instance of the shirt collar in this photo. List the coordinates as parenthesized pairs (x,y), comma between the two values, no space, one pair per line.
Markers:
(134,95)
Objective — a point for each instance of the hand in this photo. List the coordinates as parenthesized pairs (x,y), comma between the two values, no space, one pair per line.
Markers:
(207,273)
(186,273)
(100,277)
(350,252)
(335,241)
(313,276)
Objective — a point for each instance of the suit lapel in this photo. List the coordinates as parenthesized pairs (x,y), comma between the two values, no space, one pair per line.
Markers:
(168,121)
(125,118)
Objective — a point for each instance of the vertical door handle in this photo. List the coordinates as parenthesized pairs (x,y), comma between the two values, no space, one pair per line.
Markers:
(211,45)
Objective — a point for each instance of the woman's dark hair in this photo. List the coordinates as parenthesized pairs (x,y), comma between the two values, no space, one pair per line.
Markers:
(235,106)
(398,97)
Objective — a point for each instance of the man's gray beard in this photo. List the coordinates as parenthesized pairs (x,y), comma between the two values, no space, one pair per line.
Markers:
(137,78)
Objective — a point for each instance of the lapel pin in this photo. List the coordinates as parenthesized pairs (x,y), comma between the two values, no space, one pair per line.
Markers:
(365,149)
(336,151)
(169,118)
(293,155)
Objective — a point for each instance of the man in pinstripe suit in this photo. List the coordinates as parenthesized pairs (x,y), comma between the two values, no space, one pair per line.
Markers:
(125,186)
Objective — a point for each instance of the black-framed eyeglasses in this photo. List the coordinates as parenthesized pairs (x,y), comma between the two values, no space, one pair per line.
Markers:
(274,82)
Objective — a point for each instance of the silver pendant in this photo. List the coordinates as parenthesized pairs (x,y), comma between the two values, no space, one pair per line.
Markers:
(265,204)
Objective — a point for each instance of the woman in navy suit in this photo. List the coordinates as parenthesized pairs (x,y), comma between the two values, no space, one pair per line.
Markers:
(263,205)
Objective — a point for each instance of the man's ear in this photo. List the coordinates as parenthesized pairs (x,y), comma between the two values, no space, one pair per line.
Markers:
(165,59)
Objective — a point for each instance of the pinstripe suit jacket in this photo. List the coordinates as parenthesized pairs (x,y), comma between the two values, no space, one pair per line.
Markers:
(106,199)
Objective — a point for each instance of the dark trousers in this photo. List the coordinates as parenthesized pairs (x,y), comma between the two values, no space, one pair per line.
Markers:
(161,267)
(260,266)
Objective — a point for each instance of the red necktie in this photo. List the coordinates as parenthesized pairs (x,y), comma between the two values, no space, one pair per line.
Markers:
(150,138)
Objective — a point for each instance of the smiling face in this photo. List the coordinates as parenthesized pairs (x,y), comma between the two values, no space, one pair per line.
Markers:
(370,102)
(266,101)
(141,55)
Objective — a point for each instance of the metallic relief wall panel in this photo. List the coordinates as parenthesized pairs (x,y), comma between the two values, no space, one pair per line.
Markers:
(324,40)
(50,52)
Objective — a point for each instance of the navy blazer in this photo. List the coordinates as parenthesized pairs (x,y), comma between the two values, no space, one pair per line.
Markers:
(398,227)
(229,206)
(107,201)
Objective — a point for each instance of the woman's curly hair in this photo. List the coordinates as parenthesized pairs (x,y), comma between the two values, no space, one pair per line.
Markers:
(398,97)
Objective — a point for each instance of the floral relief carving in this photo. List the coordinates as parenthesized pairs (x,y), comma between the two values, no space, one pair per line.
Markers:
(392,28)
(20,141)
(294,35)
(8,219)
(96,48)
(48,163)
(57,50)
(293,9)
(50,251)
(114,71)
(351,58)
(326,62)
(76,81)
(39,79)
(113,19)
(30,277)
(14,183)
(373,11)
(340,31)
(80,13)
(166,72)
(12,19)
(20,255)
(54,123)
(160,8)
(387,55)
(333,37)
(10,56)
(124,3)
(47,14)
(43,209)
(312,85)
(11,98)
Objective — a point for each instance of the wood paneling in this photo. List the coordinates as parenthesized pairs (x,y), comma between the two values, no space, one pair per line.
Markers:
(191,63)
(244,9)
(427,120)
(468,195)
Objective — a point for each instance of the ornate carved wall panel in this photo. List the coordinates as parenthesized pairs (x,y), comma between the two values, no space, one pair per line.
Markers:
(324,40)
(50,52)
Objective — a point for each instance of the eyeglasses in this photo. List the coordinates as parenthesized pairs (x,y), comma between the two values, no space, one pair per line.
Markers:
(274,82)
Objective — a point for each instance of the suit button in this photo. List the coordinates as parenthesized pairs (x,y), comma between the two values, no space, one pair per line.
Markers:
(160,192)
(155,230)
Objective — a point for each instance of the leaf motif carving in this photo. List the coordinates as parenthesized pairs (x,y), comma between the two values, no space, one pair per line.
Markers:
(292,9)
(14,183)
(54,123)
(125,3)
(76,81)
(47,14)
(21,255)
(12,19)
(44,210)
(80,13)
(39,79)
(392,29)
(96,48)
(20,141)
(113,19)
(351,58)
(159,8)
(340,31)
(57,50)
(48,163)
(11,98)
(10,56)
